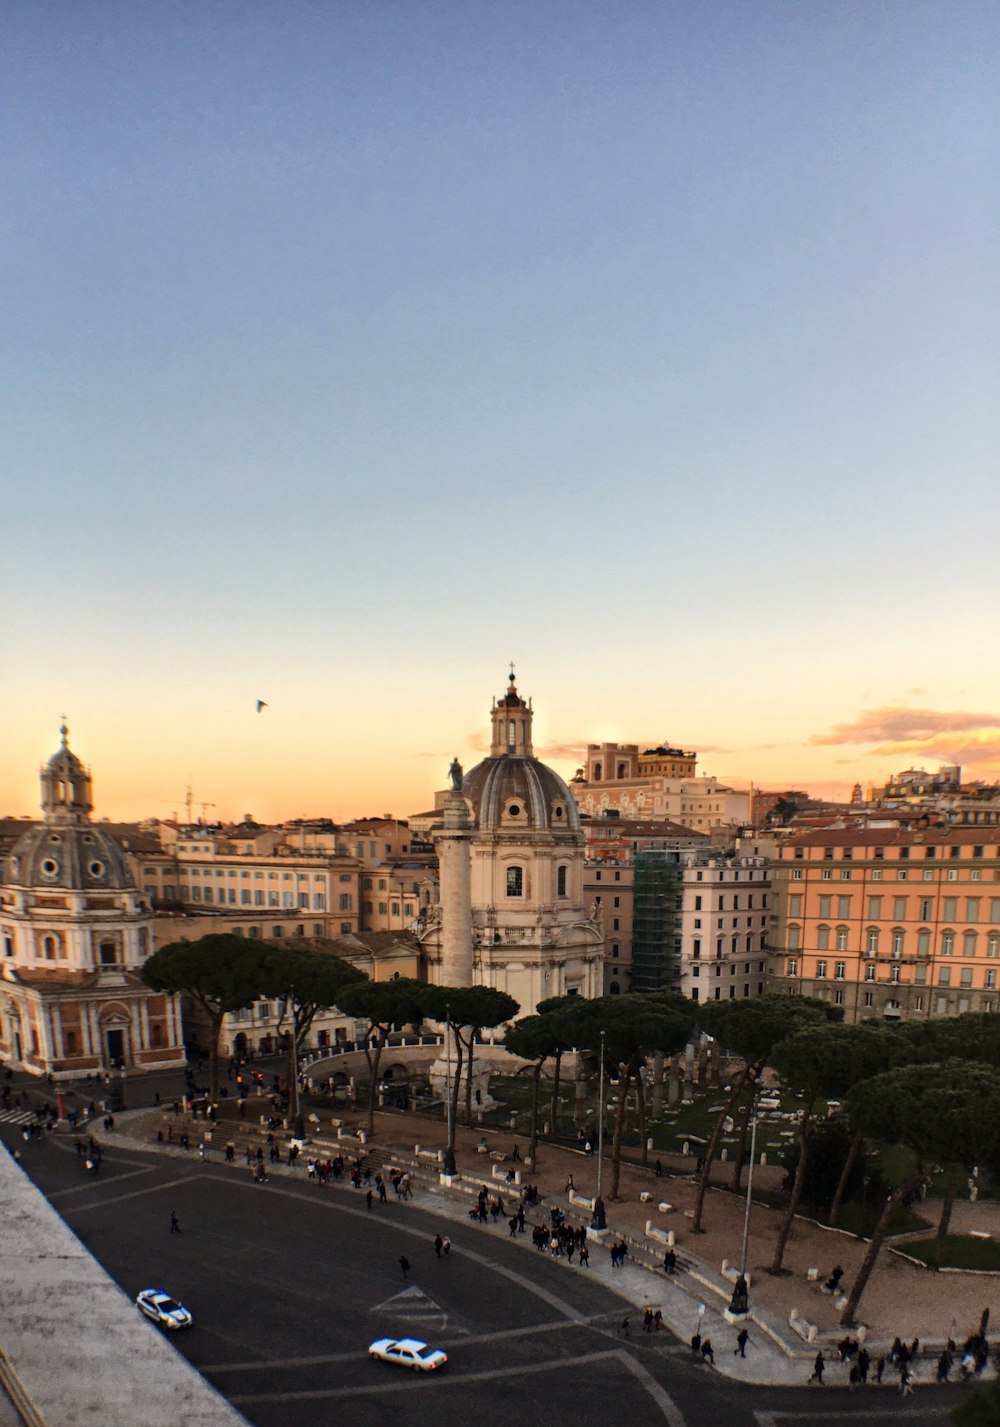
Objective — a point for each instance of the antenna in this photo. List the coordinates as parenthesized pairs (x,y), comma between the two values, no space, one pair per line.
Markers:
(187,800)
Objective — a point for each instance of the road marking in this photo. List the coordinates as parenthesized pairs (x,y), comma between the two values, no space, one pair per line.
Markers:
(666,1404)
(120,1198)
(871,1414)
(466,1341)
(89,1183)
(406,1384)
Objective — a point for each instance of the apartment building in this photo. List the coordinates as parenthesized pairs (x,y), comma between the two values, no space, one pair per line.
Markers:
(657,783)
(889,921)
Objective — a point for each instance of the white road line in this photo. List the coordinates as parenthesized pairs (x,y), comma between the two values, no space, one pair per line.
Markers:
(467,1340)
(405,1382)
(120,1198)
(671,1412)
(89,1183)
(872,1413)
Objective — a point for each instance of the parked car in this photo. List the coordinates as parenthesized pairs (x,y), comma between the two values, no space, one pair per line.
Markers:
(408,1353)
(163,1309)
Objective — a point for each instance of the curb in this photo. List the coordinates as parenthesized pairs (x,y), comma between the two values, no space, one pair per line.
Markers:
(18,1394)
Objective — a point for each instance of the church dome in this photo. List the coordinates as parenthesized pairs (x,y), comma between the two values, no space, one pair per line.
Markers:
(508,793)
(78,858)
(67,851)
(511,789)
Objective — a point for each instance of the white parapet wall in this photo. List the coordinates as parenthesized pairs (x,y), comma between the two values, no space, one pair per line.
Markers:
(61,1308)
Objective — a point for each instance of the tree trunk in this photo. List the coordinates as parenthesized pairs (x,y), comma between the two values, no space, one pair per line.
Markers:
(293,1079)
(533,1148)
(459,1062)
(845,1174)
(616,1149)
(797,1183)
(213,1059)
(640,1100)
(554,1113)
(741,1151)
(878,1238)
(468,1078)
(734,1095)
(944,1223)
(373,1055)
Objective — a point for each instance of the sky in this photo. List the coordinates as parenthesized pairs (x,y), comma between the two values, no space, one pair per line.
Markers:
(352,351)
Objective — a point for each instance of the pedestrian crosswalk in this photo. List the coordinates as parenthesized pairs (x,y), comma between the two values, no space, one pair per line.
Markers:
(17,1117)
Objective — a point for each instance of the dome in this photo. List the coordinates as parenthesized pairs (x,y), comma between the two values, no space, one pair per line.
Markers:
(510,793)
(79,858)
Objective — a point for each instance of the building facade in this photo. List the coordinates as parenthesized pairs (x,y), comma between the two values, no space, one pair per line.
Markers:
(75,932)
(511,913)
(657,783)
(889,922)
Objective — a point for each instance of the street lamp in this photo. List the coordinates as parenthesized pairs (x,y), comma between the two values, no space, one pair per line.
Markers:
(741,1299)
(449,1153)
(600,1121)
(866,1179)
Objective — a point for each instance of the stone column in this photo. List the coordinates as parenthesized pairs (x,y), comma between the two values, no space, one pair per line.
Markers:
(455,864)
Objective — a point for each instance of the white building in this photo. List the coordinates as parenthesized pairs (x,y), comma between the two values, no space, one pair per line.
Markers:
(724,922)
(511,910)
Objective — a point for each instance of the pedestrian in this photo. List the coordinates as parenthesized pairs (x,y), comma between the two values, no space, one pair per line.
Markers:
(404,1264)
(669,1261)
(742,1338)
(647,1321)
(819,1367)
(446,1245)
(696,1347)
(658,1171)
(657,1320)
(512,1226)
(707,1353)
(623,1329)
(438,1244)
(175,1223)
(905,1380)
(570,1186)
(879,1369)
(944,1367)
(369,1199)
(516,1154)
(584,1256)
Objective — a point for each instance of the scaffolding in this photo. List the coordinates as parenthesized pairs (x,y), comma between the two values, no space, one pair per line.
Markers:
(656,921)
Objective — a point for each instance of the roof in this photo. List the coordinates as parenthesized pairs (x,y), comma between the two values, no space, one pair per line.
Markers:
(936,835)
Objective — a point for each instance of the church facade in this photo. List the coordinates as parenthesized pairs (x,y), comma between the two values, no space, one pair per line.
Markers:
(510,850)
(74,932)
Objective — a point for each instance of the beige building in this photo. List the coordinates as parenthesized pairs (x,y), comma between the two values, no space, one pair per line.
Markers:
(75,932)
(889,921)
(658,783)
(511,912)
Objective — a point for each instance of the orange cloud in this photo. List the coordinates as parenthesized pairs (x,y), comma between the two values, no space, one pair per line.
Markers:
(900,730)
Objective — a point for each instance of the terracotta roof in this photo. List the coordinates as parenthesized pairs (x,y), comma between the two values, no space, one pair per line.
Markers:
(933,836)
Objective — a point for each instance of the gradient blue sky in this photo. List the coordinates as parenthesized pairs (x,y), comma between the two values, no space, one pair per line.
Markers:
(351,350)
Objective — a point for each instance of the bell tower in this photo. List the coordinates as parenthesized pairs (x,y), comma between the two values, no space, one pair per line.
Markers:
(511,724)
(66,786)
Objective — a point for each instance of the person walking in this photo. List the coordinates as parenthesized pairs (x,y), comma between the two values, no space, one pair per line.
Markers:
(438,1244)
(369,1199)
(905,1380)
(742,1338)
(819,1367)
(175,1223)
(446,1245)
(404,1264)
(623,1331)
(584,1256)
(707,1352)
(696,1347)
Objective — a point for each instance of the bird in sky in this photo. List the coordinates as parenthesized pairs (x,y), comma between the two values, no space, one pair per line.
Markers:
(261,705)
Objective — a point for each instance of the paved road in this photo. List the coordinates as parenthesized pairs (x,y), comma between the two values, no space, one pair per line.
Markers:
(289,1281)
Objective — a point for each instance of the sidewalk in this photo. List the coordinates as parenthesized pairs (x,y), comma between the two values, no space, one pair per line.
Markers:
(900,1300)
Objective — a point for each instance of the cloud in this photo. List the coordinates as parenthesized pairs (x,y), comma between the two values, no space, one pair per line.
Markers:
(570,752)
(478,742)
(899,729)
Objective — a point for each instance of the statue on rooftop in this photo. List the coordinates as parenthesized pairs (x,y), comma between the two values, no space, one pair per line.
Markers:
(455,773)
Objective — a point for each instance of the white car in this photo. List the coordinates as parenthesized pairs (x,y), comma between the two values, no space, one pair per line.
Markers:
(409,1353)
(163,1309)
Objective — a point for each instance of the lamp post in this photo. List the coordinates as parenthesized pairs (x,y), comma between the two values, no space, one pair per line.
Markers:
(741,1299)
(866,1179)
(600,1121)
(449,1153)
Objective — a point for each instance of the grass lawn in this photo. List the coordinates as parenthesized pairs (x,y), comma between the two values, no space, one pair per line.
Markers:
(959,1251)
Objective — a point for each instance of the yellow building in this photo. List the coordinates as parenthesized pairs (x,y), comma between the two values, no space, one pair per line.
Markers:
(889,922)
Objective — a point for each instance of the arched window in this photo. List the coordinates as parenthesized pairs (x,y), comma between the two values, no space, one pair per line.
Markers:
(107,953)
(822,938)
(597,772)
(50,947)
(969,940)
(515,881)
(614,988)
(947,943)
(621,770)
(872,941)
(561,881)
(794,938)
(841,938)
(898,941)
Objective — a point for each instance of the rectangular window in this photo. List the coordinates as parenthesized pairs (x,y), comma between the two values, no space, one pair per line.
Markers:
(827,874)
(870,971)
(843,907)
(821,969)
(796,874)
(923,942)
(869,998)
(876,874)
(383,908)
(950,912)
(874,908)
(793,966)
(990,980)
(944,976)
(515,881)
(822,938)
(899,908)
(901,874)
(926,909)
(840,970)
(795,905)
(838,998)
(346,901)
(966,977)
(995,909)
(845,874)
(972,909)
